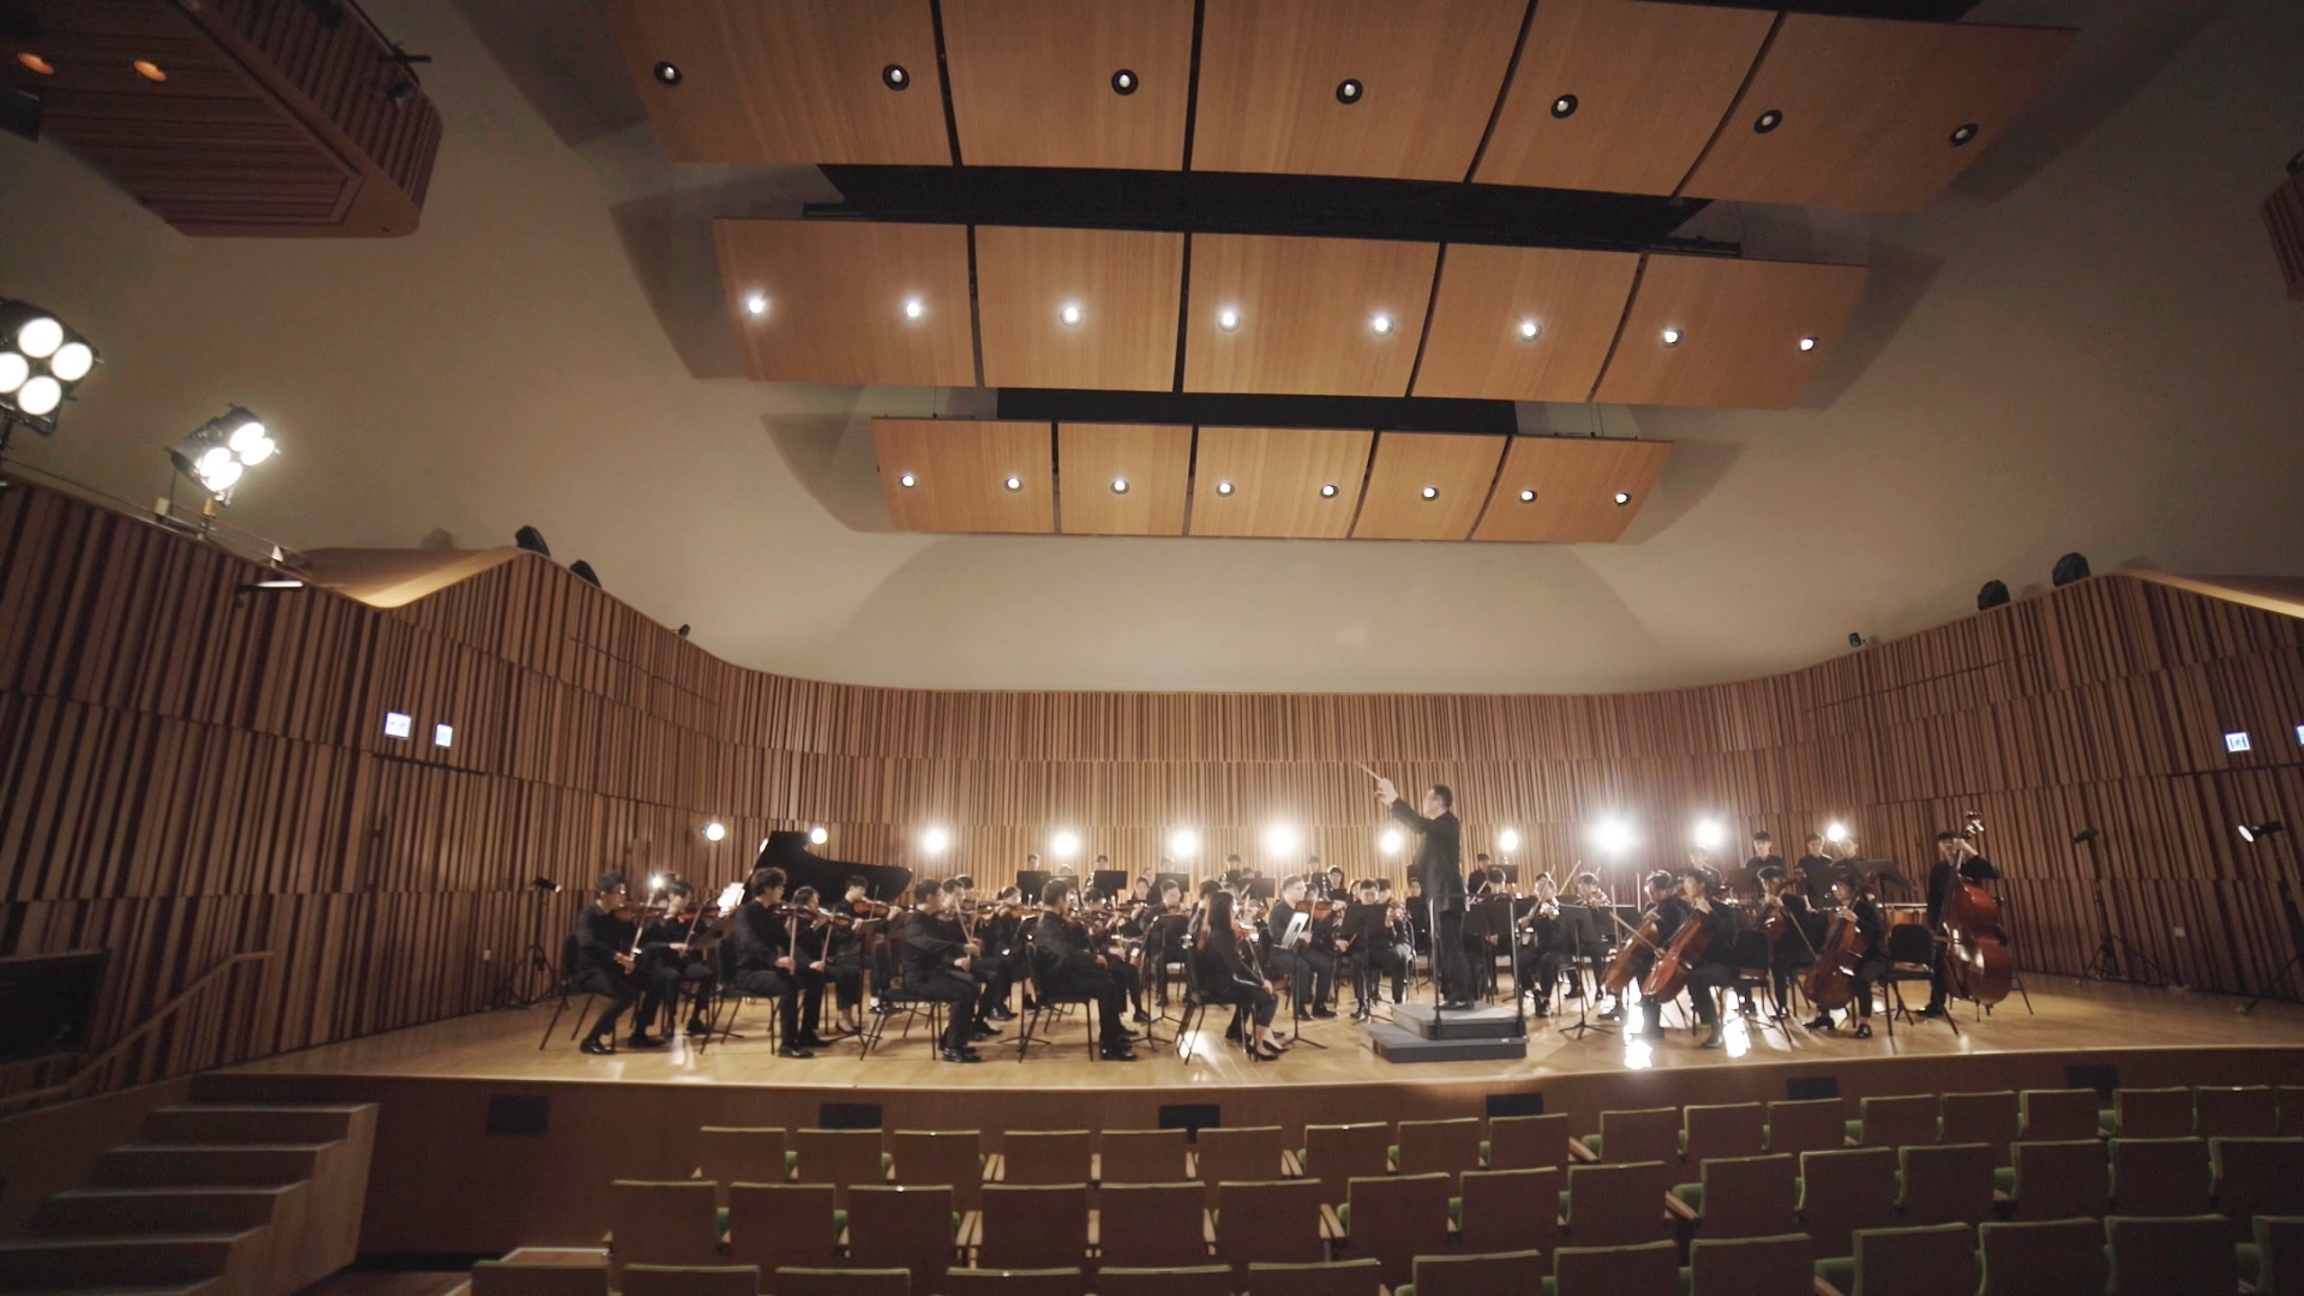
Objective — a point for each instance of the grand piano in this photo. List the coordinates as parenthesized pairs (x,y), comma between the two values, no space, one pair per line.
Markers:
(803,867)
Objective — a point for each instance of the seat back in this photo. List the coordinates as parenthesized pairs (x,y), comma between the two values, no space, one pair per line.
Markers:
(1651,1269)
(1755,1266)
(1931,1260)
(1911,945)
(2059,1115)
(1273,1222)
(1251,1154)
(923,1158)
(1841,1192)
(1337,1154)
(1198,1280)
(1339,1278)
(1480,1275)
(1511,1210)
(515,1278)
(2290,1100)
(1015,1282)
(803,1281)
(1731,1130)
(1449,1147)
(1991,1119)
(1148,1226)
(1808,1125)
(728,1154)
(2043,1258)
(1141,1156)
(1651,1134)
(2279,1255)
(1034,1226)
(2160,1177)
(841,1158)
(690,1280)
(1754,1196)
(2057,1181)
(895,1227)
(1045,1157)
(2258,1176)
(1396,1219)
(662,1223)
(1950,1184)
(1528,1142)
(2226,1111)
(1617,1205)
(2187,1255)
(779,1224)
(1901,1121)
(2152,1113)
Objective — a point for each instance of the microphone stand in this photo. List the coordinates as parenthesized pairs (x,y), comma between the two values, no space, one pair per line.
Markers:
(2107,966)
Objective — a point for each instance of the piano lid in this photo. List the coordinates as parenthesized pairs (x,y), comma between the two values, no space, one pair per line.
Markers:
(789,852)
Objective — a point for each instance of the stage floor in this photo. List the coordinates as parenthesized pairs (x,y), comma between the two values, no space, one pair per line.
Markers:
(2068,1017)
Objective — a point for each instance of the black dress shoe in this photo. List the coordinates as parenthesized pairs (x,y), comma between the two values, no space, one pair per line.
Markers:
(794,1051)
(1932,1010)
(1119,1055)
(1323,1011)
(697,1030)
(644,1041)
(959,1055)
(1822,1021)
(1716,1039)
(982,1033)
(596,1047)
(1863,1030)
(1001,1013)
(812,1040)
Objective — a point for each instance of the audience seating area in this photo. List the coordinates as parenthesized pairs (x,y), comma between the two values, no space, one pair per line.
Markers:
(2166,1192)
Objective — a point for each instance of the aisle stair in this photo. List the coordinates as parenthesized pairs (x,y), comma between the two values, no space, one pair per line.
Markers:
(215,1200)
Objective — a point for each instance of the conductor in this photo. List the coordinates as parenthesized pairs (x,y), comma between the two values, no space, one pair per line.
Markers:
(1440,866)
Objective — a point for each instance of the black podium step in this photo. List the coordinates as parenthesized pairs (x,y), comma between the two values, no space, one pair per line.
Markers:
(1394,1044)
(1481,1021)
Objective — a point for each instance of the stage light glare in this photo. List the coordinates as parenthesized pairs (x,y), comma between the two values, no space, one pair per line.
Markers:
(1622,498)
(1070,315)
(1835,831)
(246,437)
(1065,844)
(1391,841)
(1281,839)
(1225,488)
(817,836)
(907,481)
(2253,833)
(40,337)
(1671,337)
(39,396)
(656,882)
(1014,483)
(1807,344)
(1509,839)
(715,831)
(1710,834)
(1529,329)
(1228,319)
(756,304)
(1119,485)
(1380,324)
(1527,497)
(149,70)
(14,369)
(222,477)
(914,308)
(1612,836)
(935,840)
(1430,492)
(1183,843)
(72,361)
(1328,491)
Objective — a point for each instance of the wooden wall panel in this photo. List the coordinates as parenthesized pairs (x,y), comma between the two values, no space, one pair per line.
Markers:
(1276,478)
(1575,481)
(1033,81)
(1458,468)
(189,771)
(960,470)
(1155,462)
(1739,325)
(1478,344)
(1650,84)
(1306,311)
(836,301)
(1124,284)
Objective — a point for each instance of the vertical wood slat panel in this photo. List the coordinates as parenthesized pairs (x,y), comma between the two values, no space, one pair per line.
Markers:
(188,770)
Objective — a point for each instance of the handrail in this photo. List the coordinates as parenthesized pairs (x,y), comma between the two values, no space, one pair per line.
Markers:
(121,1046)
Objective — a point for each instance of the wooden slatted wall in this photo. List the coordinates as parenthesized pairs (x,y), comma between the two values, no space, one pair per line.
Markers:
(189,769)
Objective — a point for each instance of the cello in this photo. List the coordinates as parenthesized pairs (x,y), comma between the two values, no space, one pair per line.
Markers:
(1831,980)
(1976,964)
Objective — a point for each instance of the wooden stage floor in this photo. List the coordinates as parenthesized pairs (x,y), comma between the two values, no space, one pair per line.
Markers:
(2070,1017)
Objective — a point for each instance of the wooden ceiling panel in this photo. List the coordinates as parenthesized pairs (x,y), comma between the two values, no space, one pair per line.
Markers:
(1154,461)
(834,296)
(960,469)
(1429,75)
(1033,81)
(1875,114)
(1574,482)
(1489,297)
(789,81)
(1124,285)
(1649,84)
(1305,309)
(1739,325)
(1275,477)
(1457,469)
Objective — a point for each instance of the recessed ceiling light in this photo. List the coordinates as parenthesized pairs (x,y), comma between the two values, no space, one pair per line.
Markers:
(1228,319)
(668,73)
(1119,485)
(1223,488)
(1124,82)
(1380,324)
(1528,330)
(756,304)
(914,308)
(1328,491)
(1807,344)
(1070,315)
(1965,133)
(1014,483)
(907,481)
(1623,498)
(149,70)
(1769,121)
(1431,492)
(1564,106)
(34,63)
(1349,90)
(1527,496)
(1671,337)
(895,77)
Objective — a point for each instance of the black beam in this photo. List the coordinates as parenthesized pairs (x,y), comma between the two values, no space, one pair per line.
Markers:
(1222,409)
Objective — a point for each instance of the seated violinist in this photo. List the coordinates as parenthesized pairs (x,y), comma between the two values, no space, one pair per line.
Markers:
(1871,950)
(760,945)
(669,952)
(845,967)
(1075,969)
(1537,963)
(605,966)
(1227,976)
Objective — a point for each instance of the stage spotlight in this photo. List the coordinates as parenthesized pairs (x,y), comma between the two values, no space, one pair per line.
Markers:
(2084,836)
(715,831)
(1835,831)
(934,840)
(582,571)
(1430,492)
(756,304)
(1612,836)
(817,836)
(1391,841)
(1328,491)
(907,481)
(2069,568)
(1065,844)
(41,361)
(1380,324)
(1014,483)
(1280,839)
(656,882)
(1527,496)
(1228,319)
(1070,315)
(1184,843)
(223,448)
(544,884)
(1223,488)
(1509,839)
(1709,834)
(1807,344)
(1622,498)
(1119,485)
(914,308)
(532,540)
(1671,337)
(2253,833)
(1529,329)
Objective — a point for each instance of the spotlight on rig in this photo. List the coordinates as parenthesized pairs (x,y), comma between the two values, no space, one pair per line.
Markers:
(41,362)
(2253,833)
(221,450)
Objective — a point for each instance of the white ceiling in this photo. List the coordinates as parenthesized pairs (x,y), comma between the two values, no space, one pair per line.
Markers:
(2083,346)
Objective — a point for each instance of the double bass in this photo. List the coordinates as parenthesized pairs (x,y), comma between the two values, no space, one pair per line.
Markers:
(1976,965)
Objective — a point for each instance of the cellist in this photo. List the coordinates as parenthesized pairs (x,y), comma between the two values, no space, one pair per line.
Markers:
(1705,895)
(1871,945)
(1955,858)
(1668,910)
(1785,902)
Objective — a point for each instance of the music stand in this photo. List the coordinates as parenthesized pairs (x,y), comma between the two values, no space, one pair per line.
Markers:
(1112,882)
(1183,883)
(1261,888)
(1585,934)
(1031,882)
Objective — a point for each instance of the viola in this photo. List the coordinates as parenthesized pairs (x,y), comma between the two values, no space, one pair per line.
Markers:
(1831,981)
(1668,976)
(1976,964)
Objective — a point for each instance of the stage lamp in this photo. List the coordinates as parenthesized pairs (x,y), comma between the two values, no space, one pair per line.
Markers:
(715,831)
(935,840)
(1280,839)
(1509,839)
(1612,836)
(1184,843)
(1709,834)
(2253,833)
(1835,831)
(1065,844)
(41,361)
(817,835)
(222,449)
(1391,842)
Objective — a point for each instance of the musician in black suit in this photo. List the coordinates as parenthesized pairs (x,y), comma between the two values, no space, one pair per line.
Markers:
(1298,955)
(604,965)
(937,966)
(1074,968)
(1956,859)
(760,944)
(1440,867)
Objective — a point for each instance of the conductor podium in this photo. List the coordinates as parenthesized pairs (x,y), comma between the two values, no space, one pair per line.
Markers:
(1422,1033)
